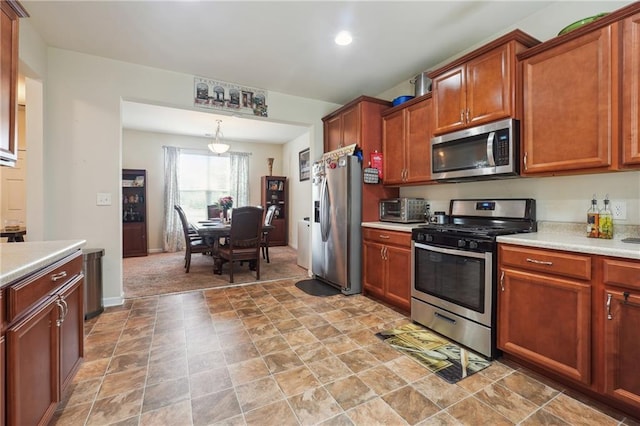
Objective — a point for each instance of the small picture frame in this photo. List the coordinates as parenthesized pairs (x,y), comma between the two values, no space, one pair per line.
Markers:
(305,164)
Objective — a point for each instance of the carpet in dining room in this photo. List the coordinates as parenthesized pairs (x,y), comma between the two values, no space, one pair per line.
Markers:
(164,273)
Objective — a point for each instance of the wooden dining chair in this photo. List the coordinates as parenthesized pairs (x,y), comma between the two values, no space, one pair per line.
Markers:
(244,239)
(193,244)
(264,243)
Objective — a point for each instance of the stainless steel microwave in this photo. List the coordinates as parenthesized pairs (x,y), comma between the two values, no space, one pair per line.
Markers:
(489,151)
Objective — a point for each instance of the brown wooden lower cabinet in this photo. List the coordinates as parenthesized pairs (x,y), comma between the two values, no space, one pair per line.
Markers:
(44,340)
(575,317)
(134,239)
(387,266)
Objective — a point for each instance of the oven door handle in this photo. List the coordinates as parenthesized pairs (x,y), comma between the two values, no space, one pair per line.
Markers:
(452,252)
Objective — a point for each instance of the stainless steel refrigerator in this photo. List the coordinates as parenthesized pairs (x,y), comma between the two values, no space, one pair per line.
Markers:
(336,237)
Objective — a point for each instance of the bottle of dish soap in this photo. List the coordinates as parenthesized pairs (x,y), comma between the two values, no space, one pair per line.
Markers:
(593,219)
(605,222)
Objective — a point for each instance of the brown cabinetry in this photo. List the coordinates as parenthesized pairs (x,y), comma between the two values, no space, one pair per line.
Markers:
(621,280)
(544,309)
(631,91)
(480,87)
(10,12)
(387,266)
(360,122)
(274,193)
(580,100)
(44,340)
(407,143)
(134,212)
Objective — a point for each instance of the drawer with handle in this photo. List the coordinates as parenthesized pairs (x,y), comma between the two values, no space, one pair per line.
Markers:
(552,262)
(387,237)
(29,291)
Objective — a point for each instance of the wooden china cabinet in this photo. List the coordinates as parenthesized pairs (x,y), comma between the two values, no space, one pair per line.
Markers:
(134,212)
(273,192)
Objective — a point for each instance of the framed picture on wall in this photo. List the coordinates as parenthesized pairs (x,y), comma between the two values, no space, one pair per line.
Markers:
(305,165)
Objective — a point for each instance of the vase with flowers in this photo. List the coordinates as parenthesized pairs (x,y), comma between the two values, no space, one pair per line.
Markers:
(225,204)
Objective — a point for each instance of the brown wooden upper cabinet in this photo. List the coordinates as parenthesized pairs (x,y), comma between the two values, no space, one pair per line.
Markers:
(10,12)
(573,87)
(479,87)
(406,142)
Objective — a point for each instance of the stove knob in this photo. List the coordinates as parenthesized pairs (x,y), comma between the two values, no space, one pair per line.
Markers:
(473,244)
(429,237)
(462,243)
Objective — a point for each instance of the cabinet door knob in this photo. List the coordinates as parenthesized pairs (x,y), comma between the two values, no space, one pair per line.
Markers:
(58,276)
(609,316)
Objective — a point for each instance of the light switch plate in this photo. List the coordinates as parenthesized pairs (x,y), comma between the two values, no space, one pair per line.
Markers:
(103,199)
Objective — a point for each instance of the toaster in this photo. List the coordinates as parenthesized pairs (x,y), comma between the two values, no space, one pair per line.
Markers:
(404,210)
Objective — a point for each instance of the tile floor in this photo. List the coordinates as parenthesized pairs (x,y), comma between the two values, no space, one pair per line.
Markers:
(268,353)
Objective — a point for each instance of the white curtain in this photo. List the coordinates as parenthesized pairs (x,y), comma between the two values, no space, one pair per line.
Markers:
(239,178)
(173,235)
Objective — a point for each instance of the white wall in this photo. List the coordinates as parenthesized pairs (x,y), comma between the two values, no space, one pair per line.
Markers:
(83,144)
(143,150)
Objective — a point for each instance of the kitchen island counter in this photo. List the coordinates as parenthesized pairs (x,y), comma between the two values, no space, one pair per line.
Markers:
(18,260)
(578,244)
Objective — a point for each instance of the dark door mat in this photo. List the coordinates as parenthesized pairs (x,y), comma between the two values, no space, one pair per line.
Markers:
(317,288)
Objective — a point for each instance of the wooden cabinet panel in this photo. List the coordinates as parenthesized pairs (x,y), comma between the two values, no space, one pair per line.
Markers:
(3,382)
(547,321)
(387,266)
(351,125)
(547,261)
(631,91)
(393,126)
(569,105)
(622,347)
(134,239)
(480,87)
(32,361)
(449,100)
(418,142)
(373,276)
(407,143)
(621,273)
(333,133)
(398,290)
(489,87)
(8,83)
(71,331)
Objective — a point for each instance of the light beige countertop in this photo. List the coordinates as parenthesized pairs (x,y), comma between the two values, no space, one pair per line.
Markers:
(21,259)
(574,243)
(392,226)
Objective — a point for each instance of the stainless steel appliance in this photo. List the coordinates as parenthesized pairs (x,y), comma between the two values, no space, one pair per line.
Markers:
(453,273)
(483,152)
(404,210)
(336,229)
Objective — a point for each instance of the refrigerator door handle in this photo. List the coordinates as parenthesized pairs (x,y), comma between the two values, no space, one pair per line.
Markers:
(324,210)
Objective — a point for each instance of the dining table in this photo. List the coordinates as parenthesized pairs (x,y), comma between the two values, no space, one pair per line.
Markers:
(212,231)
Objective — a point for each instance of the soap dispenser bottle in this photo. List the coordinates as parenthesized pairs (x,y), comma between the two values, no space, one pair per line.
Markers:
(605,228)
(593,219)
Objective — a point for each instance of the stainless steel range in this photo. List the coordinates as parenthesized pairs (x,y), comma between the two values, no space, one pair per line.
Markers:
(454,268)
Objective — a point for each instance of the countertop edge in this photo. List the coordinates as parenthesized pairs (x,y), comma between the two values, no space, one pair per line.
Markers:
(18,260)
(577,244)
(392,226)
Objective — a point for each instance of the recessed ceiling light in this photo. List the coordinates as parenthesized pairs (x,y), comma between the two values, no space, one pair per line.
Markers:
(343,38)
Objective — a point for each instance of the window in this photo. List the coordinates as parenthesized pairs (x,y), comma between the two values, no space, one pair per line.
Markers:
(202,180)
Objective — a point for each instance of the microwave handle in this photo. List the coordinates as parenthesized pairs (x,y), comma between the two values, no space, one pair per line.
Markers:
(490,140)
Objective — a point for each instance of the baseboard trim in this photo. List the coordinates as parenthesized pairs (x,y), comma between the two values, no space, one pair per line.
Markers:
(112,301)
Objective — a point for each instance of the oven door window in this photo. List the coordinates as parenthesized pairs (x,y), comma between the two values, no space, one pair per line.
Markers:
(455,278)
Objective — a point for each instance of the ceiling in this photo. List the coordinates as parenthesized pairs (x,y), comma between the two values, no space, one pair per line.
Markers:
(284,46)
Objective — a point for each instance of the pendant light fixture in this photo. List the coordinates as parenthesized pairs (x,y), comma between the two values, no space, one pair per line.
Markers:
(217,145)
